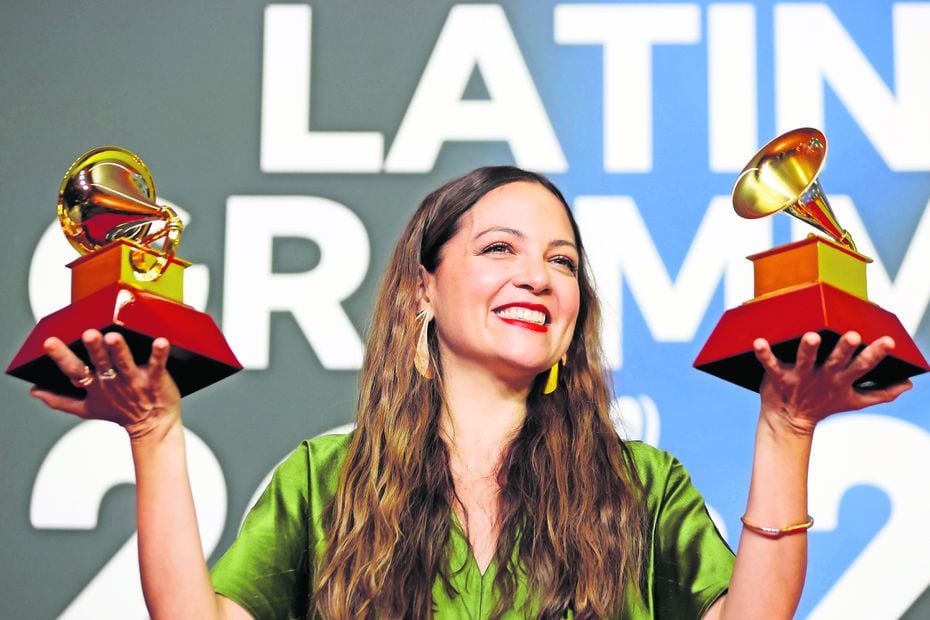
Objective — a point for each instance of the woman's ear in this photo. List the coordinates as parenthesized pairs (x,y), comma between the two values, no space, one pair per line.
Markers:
(424,289)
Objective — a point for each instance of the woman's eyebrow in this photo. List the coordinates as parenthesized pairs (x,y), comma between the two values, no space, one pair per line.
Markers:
(558,243)
(504,229)
(555,243)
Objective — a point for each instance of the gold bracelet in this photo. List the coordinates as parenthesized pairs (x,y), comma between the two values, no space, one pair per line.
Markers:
(778,532)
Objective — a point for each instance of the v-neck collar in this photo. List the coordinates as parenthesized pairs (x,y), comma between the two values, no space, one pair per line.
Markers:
(457,530)
(475,598)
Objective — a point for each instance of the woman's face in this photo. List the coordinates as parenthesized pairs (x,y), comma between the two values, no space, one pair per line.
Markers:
(505,294)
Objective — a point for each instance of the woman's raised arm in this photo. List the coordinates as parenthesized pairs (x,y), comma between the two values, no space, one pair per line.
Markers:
(770,564)
(145,401)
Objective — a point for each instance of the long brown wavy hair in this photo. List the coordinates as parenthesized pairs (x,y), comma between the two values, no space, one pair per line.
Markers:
(570,509)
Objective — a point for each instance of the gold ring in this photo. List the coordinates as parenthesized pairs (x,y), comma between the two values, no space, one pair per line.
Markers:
(83,381)
(106,375)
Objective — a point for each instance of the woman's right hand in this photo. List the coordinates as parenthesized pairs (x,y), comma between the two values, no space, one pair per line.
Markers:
(142,399)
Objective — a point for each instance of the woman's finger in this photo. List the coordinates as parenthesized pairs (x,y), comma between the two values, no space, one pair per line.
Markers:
(869,398)
(99,357)
(871,356)
(64,358)
(159,358)
(763,351)
(73,406)
(893,391)
(842,354)
(807,352)
(120,354)
(70,364)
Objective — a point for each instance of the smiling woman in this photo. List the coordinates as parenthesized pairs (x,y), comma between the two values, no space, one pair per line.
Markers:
(484,478)
(505,292)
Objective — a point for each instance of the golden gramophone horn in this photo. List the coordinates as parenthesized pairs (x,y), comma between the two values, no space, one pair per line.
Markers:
(108,193)
(782,176)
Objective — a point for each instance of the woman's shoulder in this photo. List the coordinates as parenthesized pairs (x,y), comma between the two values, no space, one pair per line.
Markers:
(328,444)
(317,460)
(645,455)
(324,451)
(656,468)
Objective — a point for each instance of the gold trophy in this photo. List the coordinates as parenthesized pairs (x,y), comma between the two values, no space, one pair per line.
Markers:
(127,279)
(817,284)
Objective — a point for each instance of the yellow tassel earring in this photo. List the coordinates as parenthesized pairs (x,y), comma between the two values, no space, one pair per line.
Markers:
(552,381)
(421,354)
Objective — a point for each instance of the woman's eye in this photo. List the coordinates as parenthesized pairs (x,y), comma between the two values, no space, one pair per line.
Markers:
(497,248)
(566,262)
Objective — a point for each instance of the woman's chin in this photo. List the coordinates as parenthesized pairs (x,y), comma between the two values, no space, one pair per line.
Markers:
(521,371)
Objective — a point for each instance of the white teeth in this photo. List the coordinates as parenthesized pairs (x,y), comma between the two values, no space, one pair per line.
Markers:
(523,314)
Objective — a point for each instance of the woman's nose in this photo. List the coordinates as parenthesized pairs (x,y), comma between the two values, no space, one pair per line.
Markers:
(532,275)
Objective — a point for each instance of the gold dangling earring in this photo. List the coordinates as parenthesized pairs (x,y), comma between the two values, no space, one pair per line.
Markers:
(421,355)
(552,381)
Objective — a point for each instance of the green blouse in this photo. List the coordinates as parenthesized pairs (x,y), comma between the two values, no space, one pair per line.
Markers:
(267,570)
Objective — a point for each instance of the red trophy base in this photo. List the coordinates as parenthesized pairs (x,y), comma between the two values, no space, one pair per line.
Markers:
(199,353)
(831,302)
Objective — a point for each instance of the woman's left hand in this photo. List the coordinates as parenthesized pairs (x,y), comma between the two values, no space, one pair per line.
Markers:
(804,393)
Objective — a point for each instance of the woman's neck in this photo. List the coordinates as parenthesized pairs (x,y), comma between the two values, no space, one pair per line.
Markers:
(482,415)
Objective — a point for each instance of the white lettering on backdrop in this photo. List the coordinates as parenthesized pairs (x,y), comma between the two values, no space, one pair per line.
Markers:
(480,37)
(252,291)
(287,143)
(81,468)
(892,455)
(475,36)
(732,101)
(898,127)
(620,248)
(627,33)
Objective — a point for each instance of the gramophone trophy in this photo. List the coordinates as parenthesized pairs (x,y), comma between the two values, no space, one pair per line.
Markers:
(127,279)
(814,285)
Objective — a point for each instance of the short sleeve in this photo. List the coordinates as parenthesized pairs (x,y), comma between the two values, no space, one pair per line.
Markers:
(692,563)
(266,570)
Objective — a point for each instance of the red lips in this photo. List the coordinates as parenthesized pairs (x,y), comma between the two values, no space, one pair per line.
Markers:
(525,324)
